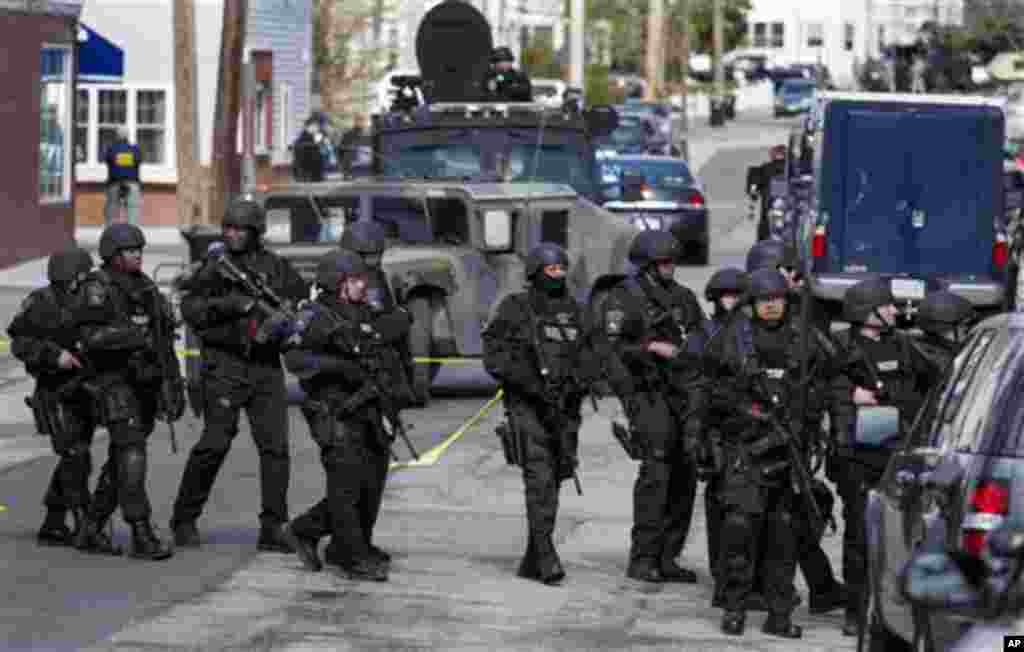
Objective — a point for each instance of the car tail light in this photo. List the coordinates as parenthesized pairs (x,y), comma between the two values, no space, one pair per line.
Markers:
(1000,251)
(818,243)
(695,200)
(988,505)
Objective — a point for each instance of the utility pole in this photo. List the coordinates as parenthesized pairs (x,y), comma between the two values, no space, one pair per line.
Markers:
(655,30)
(186,119)
(229,99)
(716,49)
(576,27)
(683,10)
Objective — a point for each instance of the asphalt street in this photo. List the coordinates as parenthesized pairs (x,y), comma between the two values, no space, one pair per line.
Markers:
(454,524)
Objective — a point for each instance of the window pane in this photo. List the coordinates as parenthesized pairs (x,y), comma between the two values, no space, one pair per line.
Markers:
(778,32)
(82,107)
(113,106)
(82,126)
(106,137)
(151,108)
(54,123)
(151,142)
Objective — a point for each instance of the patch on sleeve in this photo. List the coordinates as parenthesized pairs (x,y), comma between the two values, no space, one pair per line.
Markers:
(95,295)
(614,321)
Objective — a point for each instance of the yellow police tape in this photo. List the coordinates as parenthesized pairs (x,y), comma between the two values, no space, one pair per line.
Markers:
(431,457)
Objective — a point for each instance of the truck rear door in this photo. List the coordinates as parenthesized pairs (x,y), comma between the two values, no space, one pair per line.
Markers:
(918,192)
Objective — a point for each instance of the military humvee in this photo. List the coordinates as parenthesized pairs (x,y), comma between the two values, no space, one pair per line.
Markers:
(456,248)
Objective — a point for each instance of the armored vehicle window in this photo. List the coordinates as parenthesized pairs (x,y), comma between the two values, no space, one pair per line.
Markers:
(450,220)
(337,212)
(554,227)
(434,160)
(561,163)
(403,218)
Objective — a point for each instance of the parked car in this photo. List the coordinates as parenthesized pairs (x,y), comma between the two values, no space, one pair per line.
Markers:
(633,135)
(794,96)
(660,193)
(956,478)
(549,92)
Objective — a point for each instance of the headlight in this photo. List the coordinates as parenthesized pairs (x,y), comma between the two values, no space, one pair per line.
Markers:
(497,230)
(778,204)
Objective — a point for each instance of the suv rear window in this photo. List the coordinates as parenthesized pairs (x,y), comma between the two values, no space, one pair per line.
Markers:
(949,430)
(1005,436)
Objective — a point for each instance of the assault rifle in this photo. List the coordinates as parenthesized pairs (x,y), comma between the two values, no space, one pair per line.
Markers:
(374,389)
(170,400)
(268,302)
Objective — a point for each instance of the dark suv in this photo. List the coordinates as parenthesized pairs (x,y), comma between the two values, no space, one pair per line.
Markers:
(958,476)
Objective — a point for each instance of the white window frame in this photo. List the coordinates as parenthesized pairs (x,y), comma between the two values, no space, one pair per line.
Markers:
(151,126)
(85,125)
(284,121)
(260,147)
(94,170)
(69,137)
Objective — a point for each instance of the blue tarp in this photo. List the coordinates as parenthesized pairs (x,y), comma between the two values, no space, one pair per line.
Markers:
(99,60)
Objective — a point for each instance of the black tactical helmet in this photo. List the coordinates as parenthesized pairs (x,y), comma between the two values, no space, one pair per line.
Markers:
(65,266)
(335,265)
(364,237)
(943,310)
(502,54)
(649,246)
(246,213)
(864,298)
(120,236)
(770,253)
(766,283)
(546,253)
(725,281)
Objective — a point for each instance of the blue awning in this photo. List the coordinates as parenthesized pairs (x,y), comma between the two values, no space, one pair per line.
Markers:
(99,60)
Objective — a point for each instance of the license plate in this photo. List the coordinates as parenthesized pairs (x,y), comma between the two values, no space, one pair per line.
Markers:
(905,288)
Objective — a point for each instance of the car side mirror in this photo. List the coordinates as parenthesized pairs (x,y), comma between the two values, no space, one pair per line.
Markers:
(877,426)
(633,187)
(937,580)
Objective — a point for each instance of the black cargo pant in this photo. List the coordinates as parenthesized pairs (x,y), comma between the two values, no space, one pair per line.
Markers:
(69,484)
(541,446)
(665,487)
(757,526)
(854,480)
(231,385)
(355,463)
(128,411)
(713,513)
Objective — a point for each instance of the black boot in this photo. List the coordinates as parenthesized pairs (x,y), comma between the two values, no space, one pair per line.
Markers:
(645,571)
(379,554)
(851,624)
(78,518)
(673,572)
(781,625)
(93,537)
(528,565)
(53,531)
(304,547)
(826,601)
(145,544)
(366,570)
(549,566)
(271,540)
(733,623)
(186,534)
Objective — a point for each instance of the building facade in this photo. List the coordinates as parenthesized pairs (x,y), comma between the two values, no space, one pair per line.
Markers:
(37,186)
(841,34)
(279,47)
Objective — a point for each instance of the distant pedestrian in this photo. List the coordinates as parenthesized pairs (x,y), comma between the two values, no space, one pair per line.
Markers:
(123,159)
(309,164)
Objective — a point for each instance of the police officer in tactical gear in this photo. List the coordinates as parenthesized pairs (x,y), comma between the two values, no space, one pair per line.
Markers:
(724,291)
(945,318)
(504,83)
(826,593)
(648,320)
(241,368)
(44,337)
(344,334)
(534,346)
(758,358)
(118,318)
(368,239)
(759,180)
(882,367)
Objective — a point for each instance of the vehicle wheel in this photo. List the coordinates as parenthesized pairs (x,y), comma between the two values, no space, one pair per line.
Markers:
(421,345)
(873,635)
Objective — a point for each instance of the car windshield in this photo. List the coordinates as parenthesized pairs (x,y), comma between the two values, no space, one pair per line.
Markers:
(797,87)
(628,131)
(667,180)
(555,163)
